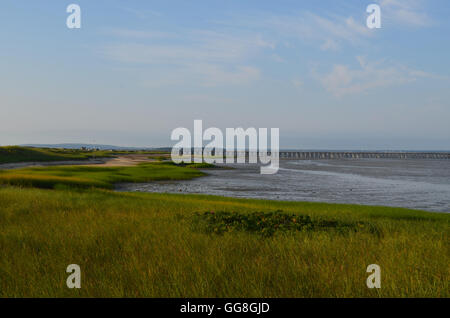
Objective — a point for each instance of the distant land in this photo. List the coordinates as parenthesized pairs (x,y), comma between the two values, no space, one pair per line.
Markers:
(112,147)
(101,147)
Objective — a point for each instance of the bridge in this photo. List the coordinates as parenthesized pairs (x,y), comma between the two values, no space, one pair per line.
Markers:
(317,155)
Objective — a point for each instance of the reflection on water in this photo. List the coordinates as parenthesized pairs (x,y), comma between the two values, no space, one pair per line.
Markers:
(417,184)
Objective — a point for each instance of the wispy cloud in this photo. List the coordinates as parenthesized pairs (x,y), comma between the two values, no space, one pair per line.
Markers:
(136,34)
(203,74)
(339,29)
(343,80)
(329,32)
(405,12)
(142,14)
(333,31)
(225,53)
(197,45)
(206,57)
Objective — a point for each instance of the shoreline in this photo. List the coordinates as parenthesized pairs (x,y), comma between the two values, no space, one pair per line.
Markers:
(341,182)
(123,161)
(232,185)
(122,188)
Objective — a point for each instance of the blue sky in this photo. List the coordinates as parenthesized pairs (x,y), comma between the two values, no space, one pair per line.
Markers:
(138,69)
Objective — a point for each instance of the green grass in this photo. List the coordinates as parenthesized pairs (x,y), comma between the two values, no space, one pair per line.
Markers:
(197,165)
(99,177)
(174,245)
(147,245)
(14,154)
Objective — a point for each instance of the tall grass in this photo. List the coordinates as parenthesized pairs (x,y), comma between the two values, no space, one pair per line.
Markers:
(145,245)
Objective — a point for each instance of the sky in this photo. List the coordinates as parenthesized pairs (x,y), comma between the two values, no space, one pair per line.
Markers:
(136,70)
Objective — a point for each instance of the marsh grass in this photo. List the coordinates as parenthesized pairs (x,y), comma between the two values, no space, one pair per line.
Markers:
(143,245)
(196,165)
(97,177)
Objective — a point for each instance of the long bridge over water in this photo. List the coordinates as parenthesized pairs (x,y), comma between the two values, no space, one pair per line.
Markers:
(309,155)
(317,155)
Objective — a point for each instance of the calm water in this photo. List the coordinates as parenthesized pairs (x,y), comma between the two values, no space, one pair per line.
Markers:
(417,184)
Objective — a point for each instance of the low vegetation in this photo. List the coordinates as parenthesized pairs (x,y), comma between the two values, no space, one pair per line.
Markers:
(14,154)
(197,165)
(268,223)
(97,177)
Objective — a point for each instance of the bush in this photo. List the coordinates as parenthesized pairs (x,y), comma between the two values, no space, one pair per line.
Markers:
(268,223)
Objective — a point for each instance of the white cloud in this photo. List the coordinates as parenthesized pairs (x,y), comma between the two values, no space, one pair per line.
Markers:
(327,32)
(330,44)
(196,45)
(166,54)
(142,14)
(340,28)
(136,34)
(343,80)
(333,31)
(404,12)
(205,57)
(226,56)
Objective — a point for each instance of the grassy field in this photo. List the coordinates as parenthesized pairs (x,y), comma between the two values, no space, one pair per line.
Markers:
(168,245)
(98,177)
(13,154)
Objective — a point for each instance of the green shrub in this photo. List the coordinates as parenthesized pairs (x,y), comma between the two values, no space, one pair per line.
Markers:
(268,223)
